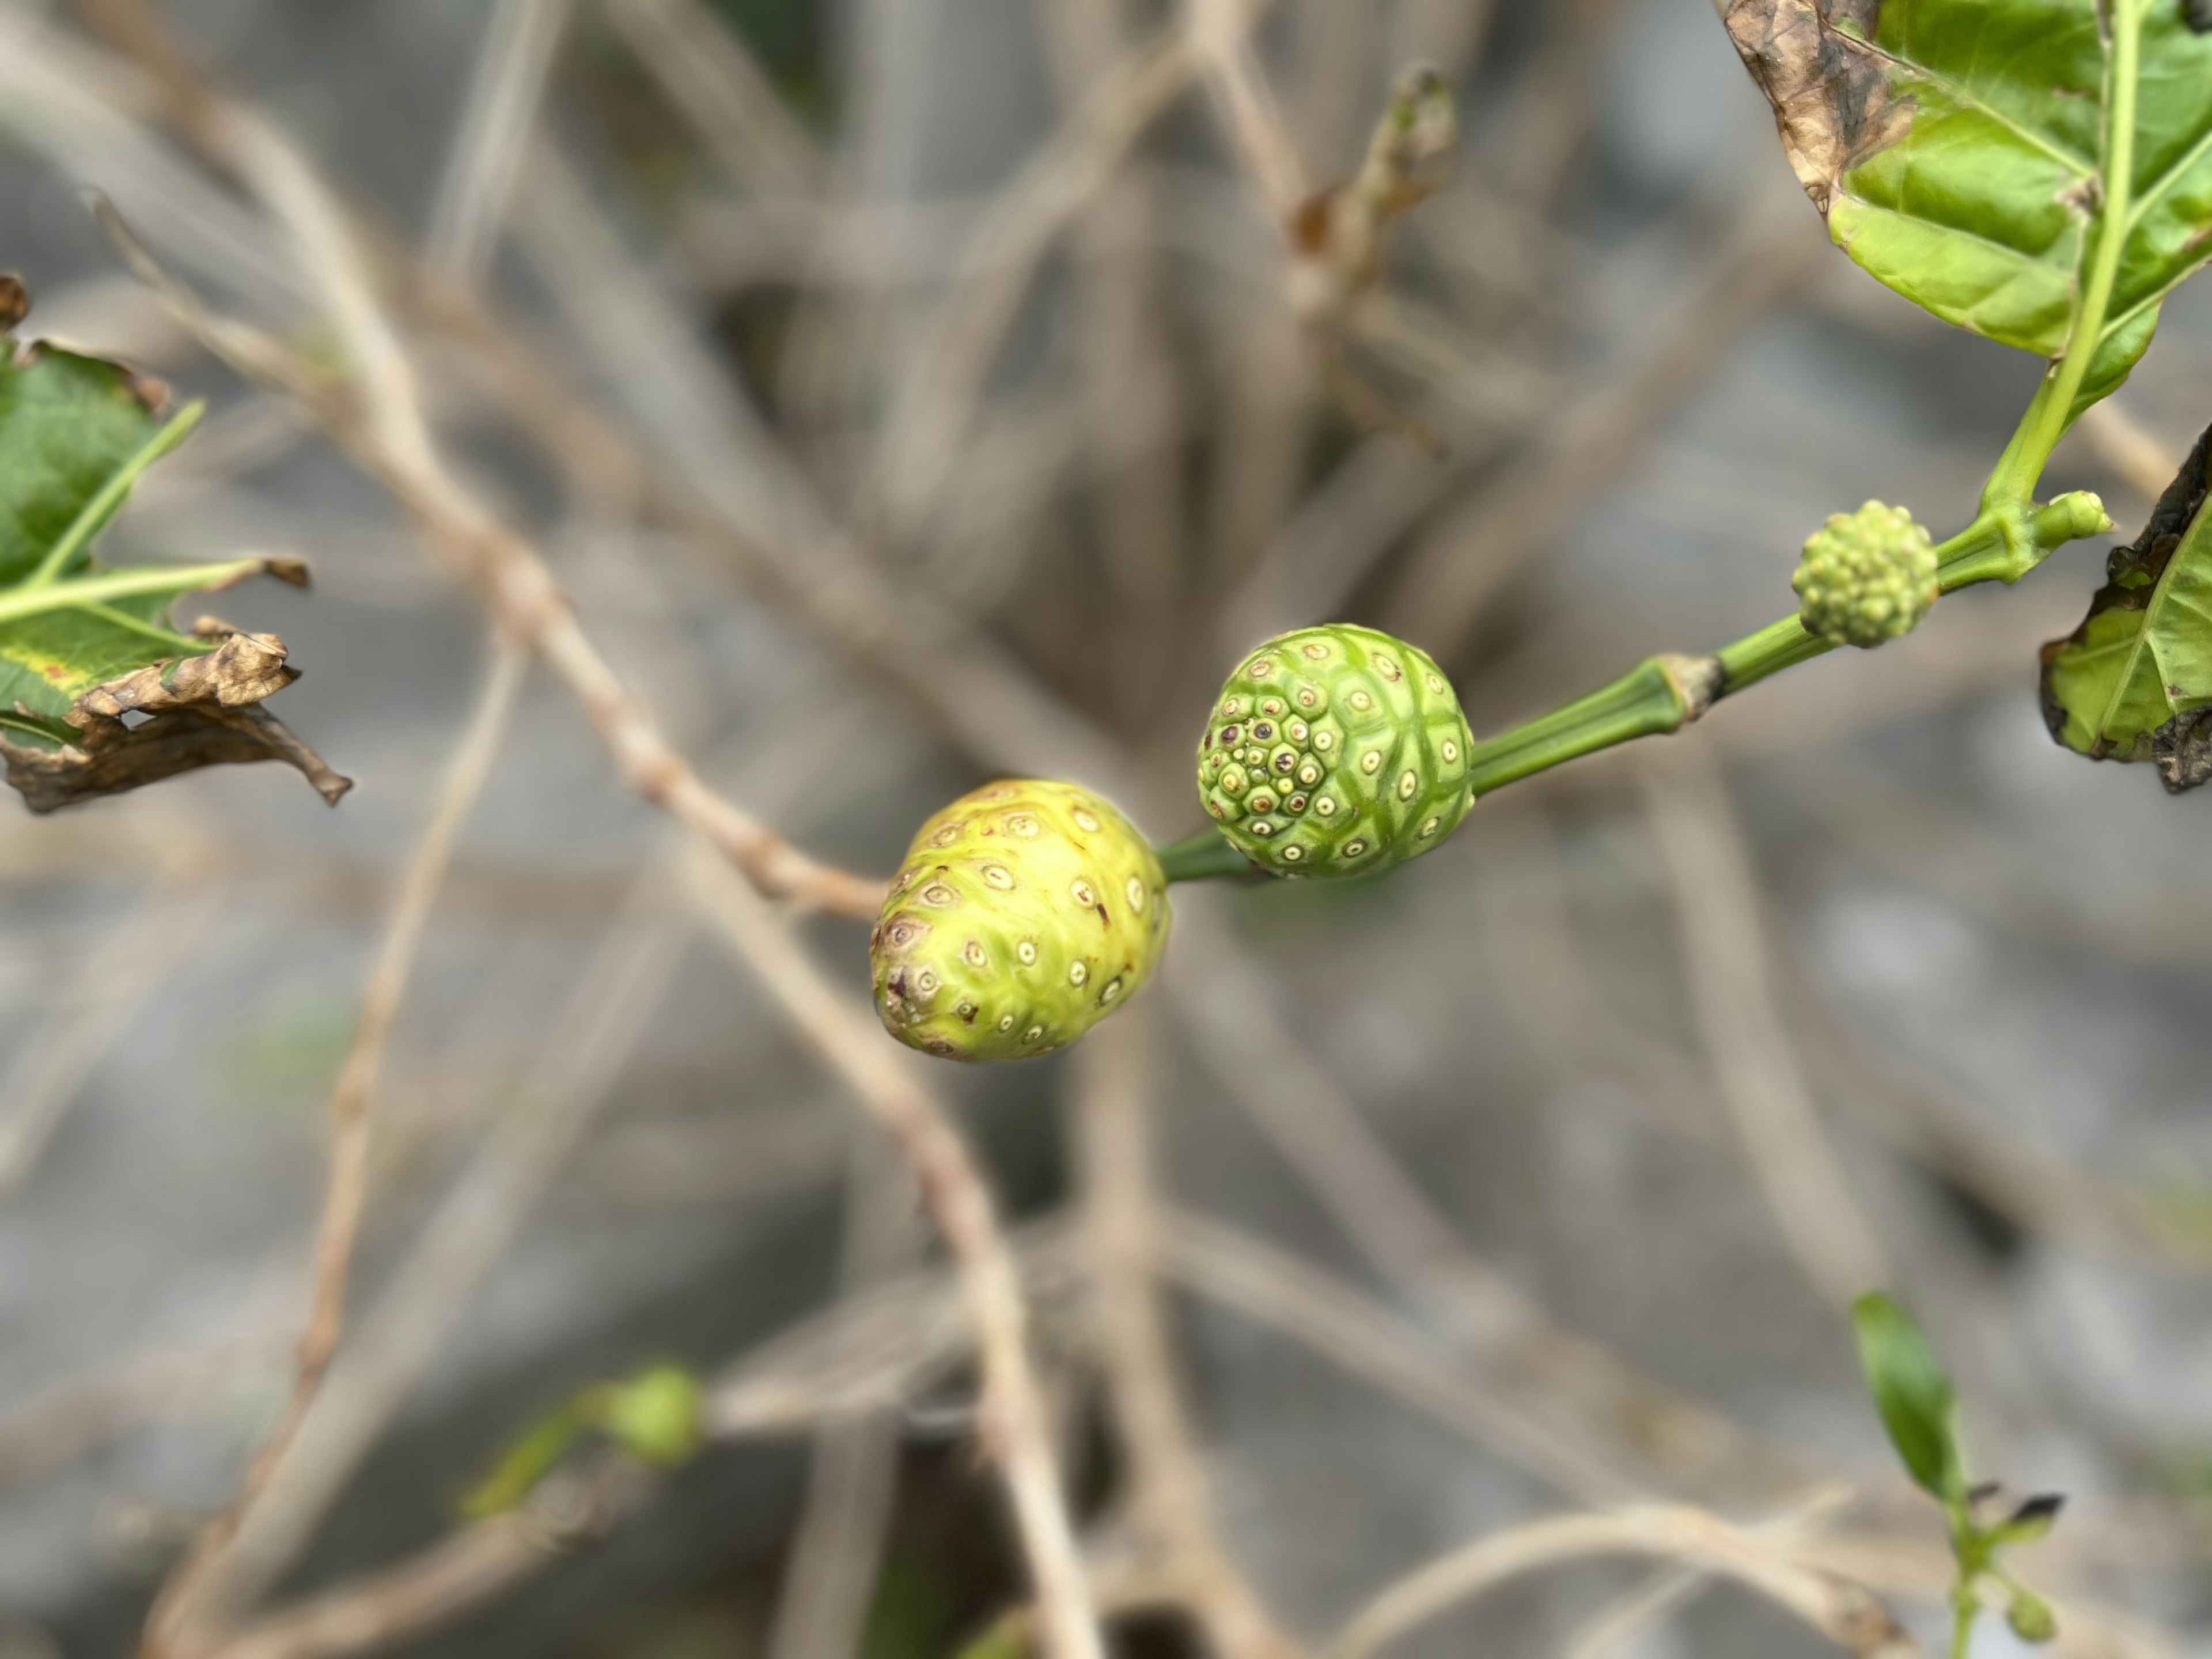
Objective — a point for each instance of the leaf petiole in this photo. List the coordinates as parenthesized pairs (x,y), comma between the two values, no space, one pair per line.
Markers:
(19,603)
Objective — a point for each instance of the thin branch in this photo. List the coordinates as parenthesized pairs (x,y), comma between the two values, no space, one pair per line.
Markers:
(352,1097)
(935,407)
(730,102)
(1591,1404)
(828,1577)
(452,1256)
(1122,1229)
(96,1005)
(1222,30)
(1845,1613)
(1759,1078)
(376,417)
(1014,1424)
(1456,568)
(511,64)
(381,1610)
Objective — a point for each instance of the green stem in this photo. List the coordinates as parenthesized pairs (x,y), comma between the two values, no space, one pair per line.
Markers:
(92,517)
(1663,694)
(17,603)
(2013,483)
(1962,1624)
(1203,855)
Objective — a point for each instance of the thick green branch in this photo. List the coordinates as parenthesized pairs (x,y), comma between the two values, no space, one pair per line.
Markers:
(1665,693)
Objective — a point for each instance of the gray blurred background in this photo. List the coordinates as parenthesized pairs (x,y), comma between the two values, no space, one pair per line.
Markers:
(1586,1122)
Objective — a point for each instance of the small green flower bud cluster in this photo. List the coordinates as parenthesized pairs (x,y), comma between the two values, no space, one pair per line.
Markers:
(1336,751)
(1026,912)
(1866,576)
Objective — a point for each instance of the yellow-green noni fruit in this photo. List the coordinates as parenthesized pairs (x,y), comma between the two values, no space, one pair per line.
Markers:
(1026,912)
(1334,751)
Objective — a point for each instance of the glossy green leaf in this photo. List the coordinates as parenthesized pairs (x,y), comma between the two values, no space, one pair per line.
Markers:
(1913,1393)
(99,691)
(2133,681)
(1955,147)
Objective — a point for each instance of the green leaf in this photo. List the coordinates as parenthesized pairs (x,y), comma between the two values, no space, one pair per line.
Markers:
(2133,681)
(1911,1392)
(99,691)
(1955,147)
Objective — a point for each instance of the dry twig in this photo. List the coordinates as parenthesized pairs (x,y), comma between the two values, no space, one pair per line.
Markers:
(1838,1610)
(1014,1420)
(1123,1228)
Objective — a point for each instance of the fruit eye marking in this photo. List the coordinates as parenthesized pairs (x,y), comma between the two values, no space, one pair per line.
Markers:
(1229,736)
(1027,951)
(1434,683)
(1326,807)
(1273,705)
(1388,669)
(1428,829)
(1354,847)
(1005,1022)
(1371,761)
(1316,649)
(1084,894)
(1292,855)
(1262,827)
(1083,820)
(1324,740)
(1262,731)
(1033,1034)
(973,952)
(1078,973)
(1360,700)
(1022,824)
(1259,668)
(937,893)
(1136,890)
(1309,773)
(1262,803)
(998,876)
(1113,989)
(1451,749)
(1407,784)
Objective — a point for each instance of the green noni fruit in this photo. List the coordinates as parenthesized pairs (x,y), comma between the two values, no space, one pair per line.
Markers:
(1334,751)
(1866,576)
(1026,912)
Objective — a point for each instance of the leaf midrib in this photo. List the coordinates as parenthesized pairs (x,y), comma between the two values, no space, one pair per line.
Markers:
(2140,642)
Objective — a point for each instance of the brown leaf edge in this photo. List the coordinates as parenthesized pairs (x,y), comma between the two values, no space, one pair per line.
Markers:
(2182,747)
(192,712)
(1830,92)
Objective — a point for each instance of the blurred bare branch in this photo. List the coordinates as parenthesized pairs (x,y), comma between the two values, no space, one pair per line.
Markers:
(1841,1611)
(1756,1069)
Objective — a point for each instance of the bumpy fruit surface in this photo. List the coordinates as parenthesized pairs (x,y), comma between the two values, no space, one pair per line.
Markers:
(1334,751)
(1866,576)
(1026,912)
